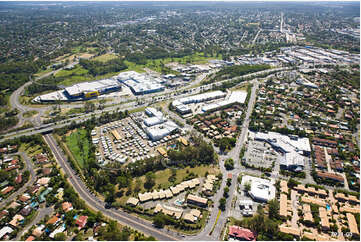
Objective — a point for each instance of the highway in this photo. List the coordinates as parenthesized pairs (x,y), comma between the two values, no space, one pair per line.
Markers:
(98,205)
(149,99)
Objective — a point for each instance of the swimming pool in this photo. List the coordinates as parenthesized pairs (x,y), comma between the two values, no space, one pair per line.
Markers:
(328,207)
(178,202)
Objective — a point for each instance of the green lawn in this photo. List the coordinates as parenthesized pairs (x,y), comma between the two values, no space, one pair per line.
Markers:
(29,114)
(105,57)
(77,71)
(161,177)
(156,65)
(43,72)
(30,150)
(79,146)
(79,74)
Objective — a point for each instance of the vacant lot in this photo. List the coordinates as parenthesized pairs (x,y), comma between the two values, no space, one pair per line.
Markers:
(79,146)
(105,57)
(79,74)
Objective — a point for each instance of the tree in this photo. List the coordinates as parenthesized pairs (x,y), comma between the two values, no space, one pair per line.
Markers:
(292,183)
(229,164)
(223,144)
(247,187)
(273,208)
(229,182)
(149,180)
(225,192)
(138,184)
(159,220)
(60,237)
(222,204)
(89,107)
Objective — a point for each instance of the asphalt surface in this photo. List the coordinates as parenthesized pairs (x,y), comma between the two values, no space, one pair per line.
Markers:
(234,154)
(28,166)
(42,212)
(98,205)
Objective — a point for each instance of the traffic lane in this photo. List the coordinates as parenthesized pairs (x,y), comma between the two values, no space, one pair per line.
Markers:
(118,215)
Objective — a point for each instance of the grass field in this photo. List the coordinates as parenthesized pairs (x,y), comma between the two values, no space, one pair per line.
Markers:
(30,150)
(79,146)
(79,74)
(43,72)
(156,65)
(105,57)
(161,178)
(29,114)
(76,71)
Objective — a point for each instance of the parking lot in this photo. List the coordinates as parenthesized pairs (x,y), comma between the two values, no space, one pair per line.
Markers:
(260,154)
(124,141)
(244,205)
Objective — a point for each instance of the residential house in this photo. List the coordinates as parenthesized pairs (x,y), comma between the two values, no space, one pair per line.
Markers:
(198,201)
(81,221)
(239,233)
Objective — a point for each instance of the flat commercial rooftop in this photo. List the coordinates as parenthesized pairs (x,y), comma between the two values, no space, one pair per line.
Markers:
(91,86)
(261,189)
(235,97)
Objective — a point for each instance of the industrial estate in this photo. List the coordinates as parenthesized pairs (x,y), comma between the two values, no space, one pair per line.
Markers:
(184,121)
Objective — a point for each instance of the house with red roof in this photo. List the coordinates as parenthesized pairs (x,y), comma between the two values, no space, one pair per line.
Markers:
(67,206)
(30,238)
(7,190)
(19,178)
(81,221)
(239,233)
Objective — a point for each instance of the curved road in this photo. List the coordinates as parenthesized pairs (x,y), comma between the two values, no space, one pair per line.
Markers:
(94,202)
(28,166)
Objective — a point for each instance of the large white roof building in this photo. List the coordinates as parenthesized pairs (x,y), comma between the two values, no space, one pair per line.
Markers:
(293,149)
(157,132)
(234,97)
(261,189)
(85,87)
(141,83)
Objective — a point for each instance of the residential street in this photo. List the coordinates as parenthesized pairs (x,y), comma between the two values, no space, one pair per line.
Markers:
(28,166)
(41,213)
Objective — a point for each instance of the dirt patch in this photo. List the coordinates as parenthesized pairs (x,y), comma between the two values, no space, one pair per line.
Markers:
(69,133)
(86,56)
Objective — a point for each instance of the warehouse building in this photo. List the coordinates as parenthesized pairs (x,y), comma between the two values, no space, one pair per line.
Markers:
(153,121)
(181,104)
(141,84)
(158,132)
(91,89)
(152,112)
(235,97)
(81,91)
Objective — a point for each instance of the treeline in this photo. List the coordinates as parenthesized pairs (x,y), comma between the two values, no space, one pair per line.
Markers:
(15,74)
(352,78)
(46,84)
(96,68)
(239,70)
(199,153)
(154,53)
(8,122)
